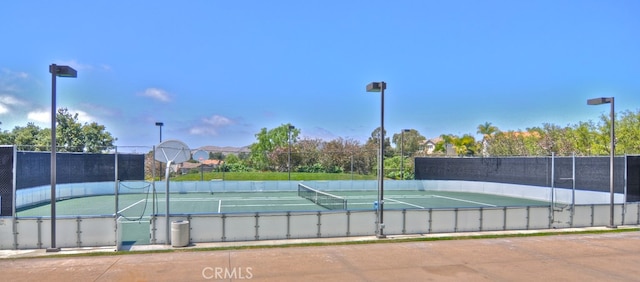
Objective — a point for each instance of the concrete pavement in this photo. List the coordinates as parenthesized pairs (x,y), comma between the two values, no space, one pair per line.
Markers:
(611,256)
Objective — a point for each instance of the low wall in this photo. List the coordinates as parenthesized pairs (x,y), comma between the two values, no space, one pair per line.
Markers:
(590,209)
(34,233)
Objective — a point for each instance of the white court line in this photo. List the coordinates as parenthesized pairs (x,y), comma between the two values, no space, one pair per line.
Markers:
(227,199)
(467,201)
(120,211)
(404,203)
(260,198)
(270,205)
(367,197)
(187,200)
(193,200)
(219,206)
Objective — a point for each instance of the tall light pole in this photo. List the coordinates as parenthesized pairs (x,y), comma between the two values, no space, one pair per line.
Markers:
(291,127)
(160,124)
(61,71)
(402,153)
(380,87)
(599,101)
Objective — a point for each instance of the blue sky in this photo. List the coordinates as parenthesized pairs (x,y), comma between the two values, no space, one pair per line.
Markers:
(216,72)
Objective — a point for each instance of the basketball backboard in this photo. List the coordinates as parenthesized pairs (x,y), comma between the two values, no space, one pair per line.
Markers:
(173,151)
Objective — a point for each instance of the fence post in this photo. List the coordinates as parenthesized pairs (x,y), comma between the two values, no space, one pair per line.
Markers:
(257,226)
(288,225)
(224,231)
(319,225)
(481,218)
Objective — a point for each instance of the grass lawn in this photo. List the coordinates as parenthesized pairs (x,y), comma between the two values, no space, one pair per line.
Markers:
(272,176)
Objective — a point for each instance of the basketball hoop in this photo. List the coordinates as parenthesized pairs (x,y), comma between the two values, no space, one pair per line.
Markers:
(171,152)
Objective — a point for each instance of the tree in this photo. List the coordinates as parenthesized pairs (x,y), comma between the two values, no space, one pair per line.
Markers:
(465,145)
(216,156)
(628,133)
(412,141)
(232,159)
(555,139)
(341,155)
(96,138)
(441,146)
(26,137)
(307,155)
(268,149)
(6,137)
(487,130)
(332,156)
(374,142)
(584,135)
(71,136)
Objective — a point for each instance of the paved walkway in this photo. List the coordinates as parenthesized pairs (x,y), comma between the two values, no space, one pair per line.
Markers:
(570,257)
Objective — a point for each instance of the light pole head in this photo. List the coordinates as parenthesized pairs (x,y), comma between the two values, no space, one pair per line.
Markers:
(406,130)
(376,86)
(159,124)
(291,127)
(63,71)
(599,101)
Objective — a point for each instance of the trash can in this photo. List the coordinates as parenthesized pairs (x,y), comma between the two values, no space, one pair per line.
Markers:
(180,233)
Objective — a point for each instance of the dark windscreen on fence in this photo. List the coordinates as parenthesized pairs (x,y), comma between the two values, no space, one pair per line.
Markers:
(33,168)
(591,173)
(6,181)
(633,178)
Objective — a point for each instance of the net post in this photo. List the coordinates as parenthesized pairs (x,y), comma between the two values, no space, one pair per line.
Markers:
(117,197)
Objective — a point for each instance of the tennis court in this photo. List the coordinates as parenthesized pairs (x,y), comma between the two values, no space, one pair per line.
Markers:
(220,211)
(135,210)
(134,206)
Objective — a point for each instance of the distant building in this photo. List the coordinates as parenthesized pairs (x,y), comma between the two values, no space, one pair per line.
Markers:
(226,150)
(205,165)
(429,146)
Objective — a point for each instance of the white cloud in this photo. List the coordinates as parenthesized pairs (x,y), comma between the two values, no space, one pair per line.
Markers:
(10,100)
(157,94)
(217,121)
(7,102)
(201,130)
(9,74)
(44,116)
(211,125)
(11,81)
(39,116)
(83,117)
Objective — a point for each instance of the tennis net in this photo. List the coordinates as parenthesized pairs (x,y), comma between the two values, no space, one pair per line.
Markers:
(322,199)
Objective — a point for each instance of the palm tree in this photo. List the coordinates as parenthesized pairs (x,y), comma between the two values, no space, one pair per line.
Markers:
(487,130)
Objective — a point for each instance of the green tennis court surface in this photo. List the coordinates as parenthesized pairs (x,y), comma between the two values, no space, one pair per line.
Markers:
(134,206)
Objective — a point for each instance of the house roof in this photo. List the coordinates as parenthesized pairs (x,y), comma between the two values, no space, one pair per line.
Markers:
(432,140)
(212,162)
(205,162)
